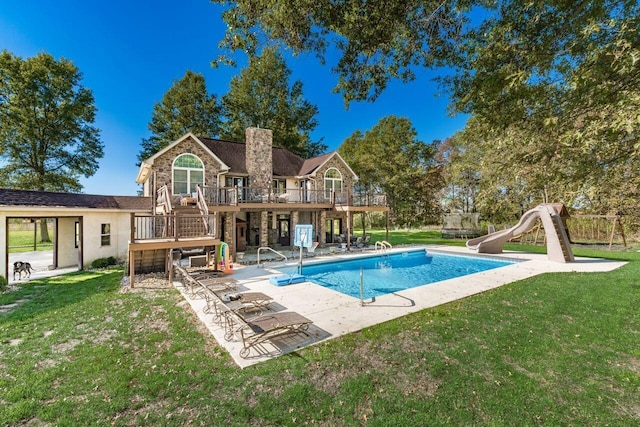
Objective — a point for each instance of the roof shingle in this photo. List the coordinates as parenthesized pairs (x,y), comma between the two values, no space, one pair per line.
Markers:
(13,197)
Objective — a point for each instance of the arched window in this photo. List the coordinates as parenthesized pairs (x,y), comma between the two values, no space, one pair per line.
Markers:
(188,171)
(332,181)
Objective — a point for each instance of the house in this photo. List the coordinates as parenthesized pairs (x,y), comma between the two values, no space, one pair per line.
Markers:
(257,192)
(86,227)
(198,192)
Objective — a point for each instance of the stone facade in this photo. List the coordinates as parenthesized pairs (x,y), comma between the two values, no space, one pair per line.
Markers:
(335,162)
(230,230)
(163,164)
(262,225)
(259,157)
(264,228)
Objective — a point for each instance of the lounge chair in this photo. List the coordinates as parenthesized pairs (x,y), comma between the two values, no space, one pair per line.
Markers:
(245,302)
(217,284)
(192,287)
(264,328)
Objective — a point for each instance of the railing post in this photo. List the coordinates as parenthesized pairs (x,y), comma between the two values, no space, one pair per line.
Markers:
(132,227)
(174,219)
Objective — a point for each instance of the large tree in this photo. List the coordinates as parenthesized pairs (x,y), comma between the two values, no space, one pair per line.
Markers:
(185,107)
(261,95)
(389,158)
(555,89)
(560,78)
(47,137)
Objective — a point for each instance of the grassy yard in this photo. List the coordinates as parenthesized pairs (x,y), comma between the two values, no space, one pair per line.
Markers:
(557,349)
(22,241)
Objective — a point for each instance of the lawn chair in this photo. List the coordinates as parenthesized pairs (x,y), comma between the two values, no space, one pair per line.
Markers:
(217,284)
(246,302)
(192,287)
(264,328)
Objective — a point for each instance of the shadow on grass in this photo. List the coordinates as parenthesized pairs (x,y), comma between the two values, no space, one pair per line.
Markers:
(38,296)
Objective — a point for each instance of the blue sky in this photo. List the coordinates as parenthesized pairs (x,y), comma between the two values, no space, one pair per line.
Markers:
(131,51)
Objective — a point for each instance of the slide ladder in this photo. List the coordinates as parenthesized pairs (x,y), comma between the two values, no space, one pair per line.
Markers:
(557,240)
(564,253)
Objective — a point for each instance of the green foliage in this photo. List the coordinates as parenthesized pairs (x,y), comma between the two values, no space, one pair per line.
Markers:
(553,87)
(462,179)
(3,284)
(185,107)
(554,91)
(47,140)
(408,175)
(376,41)
(103,262)
(262,96)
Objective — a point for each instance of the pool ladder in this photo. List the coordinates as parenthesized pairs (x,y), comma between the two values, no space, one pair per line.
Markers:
(382,246)
(362,301)
(270,249)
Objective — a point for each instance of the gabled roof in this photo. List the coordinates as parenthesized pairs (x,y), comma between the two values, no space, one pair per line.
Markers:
(11,197)
(233,154)
(233,158)
(145,166)
(313,164)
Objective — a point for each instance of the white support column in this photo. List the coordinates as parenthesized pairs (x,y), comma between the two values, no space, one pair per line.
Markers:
(4,247)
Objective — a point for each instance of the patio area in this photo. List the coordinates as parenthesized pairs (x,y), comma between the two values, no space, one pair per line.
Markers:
(335,314)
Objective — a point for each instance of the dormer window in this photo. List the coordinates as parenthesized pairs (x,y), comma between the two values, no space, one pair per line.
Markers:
(332,182)
(188,172)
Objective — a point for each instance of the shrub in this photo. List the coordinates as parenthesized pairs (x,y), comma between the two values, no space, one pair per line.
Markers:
(103,262)
(3,284)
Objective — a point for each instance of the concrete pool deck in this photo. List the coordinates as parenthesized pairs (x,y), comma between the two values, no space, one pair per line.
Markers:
(335,314)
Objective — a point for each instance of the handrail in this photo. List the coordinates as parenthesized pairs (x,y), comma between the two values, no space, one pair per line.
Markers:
(204,209)
(272,250)
(382,246)
(164,199)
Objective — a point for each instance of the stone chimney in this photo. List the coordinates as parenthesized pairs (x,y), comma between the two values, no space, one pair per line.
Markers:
(259,158)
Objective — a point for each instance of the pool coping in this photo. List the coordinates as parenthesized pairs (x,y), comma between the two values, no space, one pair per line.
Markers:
(335,314)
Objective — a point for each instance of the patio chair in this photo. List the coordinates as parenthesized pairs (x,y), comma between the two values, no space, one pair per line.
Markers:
(283,198)
(364,243)
(217,284)
(264,328)
(190,284)
(246,302)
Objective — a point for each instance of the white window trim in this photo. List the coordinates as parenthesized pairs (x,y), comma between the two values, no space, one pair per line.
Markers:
(174,168)
(333,181)
(103,234)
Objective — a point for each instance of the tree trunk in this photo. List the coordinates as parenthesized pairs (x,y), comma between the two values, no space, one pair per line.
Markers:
(44,231)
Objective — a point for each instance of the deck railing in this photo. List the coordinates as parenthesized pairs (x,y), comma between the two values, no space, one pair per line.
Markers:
(176,227)
(279,195)
(220,196)
(347,198)
(232,196)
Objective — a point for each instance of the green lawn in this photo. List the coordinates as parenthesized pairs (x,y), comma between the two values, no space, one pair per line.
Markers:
(22,241)
(557,349)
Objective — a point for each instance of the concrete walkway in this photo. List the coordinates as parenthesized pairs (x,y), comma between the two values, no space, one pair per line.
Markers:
(335,314)
(40,262)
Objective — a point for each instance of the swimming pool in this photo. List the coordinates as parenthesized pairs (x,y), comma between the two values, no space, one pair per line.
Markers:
(384,274)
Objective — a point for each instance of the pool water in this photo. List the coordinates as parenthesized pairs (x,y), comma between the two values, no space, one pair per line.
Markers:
(385,274)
